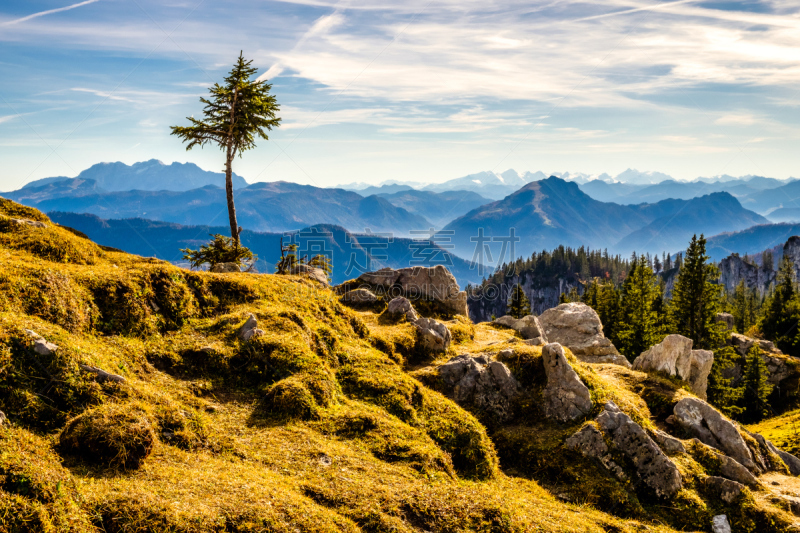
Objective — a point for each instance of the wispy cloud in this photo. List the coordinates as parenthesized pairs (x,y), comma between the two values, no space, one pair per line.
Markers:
(48,12)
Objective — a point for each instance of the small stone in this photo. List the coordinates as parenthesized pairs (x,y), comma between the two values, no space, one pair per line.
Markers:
(359,296)
(3,419)
(433,336)
(250,328)
(402,306)
(719,524)
(42,347)
(325,460)
(725,489)
(668,443)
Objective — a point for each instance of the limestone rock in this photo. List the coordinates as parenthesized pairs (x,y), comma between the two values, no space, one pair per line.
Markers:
(250,329)
(316,274)
(668,443)
(726,319)
(724,489)
(742,344)
(478,381)
(792,462)
(719,524)
(674,356)
(577,326)
(40,345)
(359,296)
(432,283)
(702,361)
(3,419)
(711,428)
(28,222)
(654,468)
(102,375)
(433,336)
(734,269)
(731,469)
(792,250)
(528,327)
(589,442)
(566,396)
(401,306)
(225,268)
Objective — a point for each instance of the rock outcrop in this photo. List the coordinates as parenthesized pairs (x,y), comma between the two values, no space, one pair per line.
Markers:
(482,383)
(432,335)
(652,466)
(725,319)
(668,443)
(528,327)
(791,462)
(577,326)
(674,356)
(435,284)
(313,273)
(225,268)
(778,364)
(719,524)
(724,489)
(566,397)
(359,297)
(792,250)
(250,329)
(734,269)
(401,306)
(709,426)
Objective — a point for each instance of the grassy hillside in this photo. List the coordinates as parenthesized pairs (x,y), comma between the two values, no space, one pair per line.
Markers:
(330,421)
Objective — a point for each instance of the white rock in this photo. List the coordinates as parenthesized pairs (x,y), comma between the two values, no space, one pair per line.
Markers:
(719,524)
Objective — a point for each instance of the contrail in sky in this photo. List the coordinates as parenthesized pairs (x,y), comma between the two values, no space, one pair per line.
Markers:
(48,12)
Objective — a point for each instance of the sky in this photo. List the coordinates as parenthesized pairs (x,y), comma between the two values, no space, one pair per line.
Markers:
(413,90)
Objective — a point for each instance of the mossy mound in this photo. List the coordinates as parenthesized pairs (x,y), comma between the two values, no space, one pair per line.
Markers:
(112,434)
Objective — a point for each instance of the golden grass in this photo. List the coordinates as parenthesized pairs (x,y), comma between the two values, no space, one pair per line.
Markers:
(319,425)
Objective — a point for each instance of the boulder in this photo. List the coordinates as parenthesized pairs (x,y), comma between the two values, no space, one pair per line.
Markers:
(668,443)
(565,396)
(674,356)
(28,222)
(40,345)
(724,489)
(725,319)
(482,383)
(710,427)
(401,306)
(731,469)
(577,326)
(719,524)
(250,329)
(589,441)
(432,335)
(359,296)
(792,462)
(3,419)
(654,468)
(225,268)
(435,283)
(528,327)
(316,274)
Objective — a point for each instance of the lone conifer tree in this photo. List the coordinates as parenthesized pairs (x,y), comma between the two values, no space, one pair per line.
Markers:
(782,311)
(519,305)
(237,112)
(696,298)
(756,387)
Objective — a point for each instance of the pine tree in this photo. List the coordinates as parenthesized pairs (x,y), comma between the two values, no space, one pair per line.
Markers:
(696,299)
(237,112)
(756,388)
(638,328)
(519,305)
(782,311)
(740,308)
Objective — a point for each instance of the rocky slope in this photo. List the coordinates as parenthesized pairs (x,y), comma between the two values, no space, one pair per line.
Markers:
(137,396)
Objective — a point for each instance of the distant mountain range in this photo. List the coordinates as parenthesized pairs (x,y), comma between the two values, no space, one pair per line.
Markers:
(275,207)
(752,240)
(553,212)
(150,175)
(351,253)
(437,207)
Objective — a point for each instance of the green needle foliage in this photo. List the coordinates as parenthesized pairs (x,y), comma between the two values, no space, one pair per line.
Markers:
(237,112)
(756,388)
(519,305)
(696,298)
(782,312)
(220,250)
(641,297)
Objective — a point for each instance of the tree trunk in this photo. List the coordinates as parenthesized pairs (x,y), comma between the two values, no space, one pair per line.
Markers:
(229,193)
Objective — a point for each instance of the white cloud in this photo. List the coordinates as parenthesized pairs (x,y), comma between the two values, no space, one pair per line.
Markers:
(48,12)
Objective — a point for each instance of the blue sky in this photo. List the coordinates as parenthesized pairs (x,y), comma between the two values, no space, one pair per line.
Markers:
(410,90)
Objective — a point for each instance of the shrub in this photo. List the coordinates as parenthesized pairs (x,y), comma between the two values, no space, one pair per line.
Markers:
(221,249)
